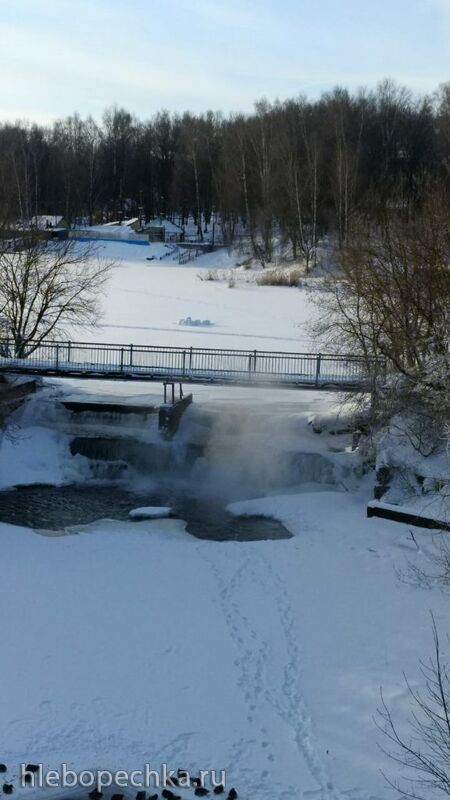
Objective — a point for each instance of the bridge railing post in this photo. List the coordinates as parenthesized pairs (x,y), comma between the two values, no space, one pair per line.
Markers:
(184,363)
(68,351)
(318,361)
(121,359)
(131,355)
(57,357)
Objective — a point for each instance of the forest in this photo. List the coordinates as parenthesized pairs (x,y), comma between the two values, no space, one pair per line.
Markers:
(300,167)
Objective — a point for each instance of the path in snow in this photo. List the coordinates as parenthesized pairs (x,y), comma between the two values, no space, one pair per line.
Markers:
(269,680)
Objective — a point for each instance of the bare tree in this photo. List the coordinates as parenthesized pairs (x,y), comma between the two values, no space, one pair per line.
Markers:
(391,298)
(298,183)
(285,172)
(46,287)
(423,753)
(261,137)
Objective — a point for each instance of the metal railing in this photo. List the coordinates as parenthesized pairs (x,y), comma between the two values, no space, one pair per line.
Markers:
(191,364)
(184,256)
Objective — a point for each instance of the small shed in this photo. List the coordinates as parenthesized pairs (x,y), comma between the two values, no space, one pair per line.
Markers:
(163,230)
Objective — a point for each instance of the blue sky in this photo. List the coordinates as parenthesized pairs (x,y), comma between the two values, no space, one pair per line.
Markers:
(58,56)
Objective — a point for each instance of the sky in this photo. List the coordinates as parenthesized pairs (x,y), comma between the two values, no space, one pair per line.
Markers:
(61,56)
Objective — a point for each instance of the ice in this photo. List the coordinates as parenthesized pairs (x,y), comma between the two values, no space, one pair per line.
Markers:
(150,512)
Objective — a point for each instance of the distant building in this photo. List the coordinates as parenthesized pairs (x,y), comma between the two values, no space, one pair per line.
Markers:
(45,221)
(163,230)
(50,226)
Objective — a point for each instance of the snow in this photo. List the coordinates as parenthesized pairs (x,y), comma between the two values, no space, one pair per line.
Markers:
(146,299)
(396,449)
(113,231)
(44,221)
(434,507)
(128,642)
(105,391)
(170,227)
(150,512)
(261,658)
(417,465)
(37,456)
(195,323)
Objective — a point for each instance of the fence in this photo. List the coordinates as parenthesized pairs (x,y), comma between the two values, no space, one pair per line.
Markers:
(170,251)
(101,236)
(192,364)
(188,255)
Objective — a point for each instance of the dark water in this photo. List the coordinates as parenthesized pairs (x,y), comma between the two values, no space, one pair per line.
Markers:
(57,507)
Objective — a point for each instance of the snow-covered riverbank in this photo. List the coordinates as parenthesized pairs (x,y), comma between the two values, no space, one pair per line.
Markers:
(134,642)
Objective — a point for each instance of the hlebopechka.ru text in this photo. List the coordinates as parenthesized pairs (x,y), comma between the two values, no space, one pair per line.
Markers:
(145,778)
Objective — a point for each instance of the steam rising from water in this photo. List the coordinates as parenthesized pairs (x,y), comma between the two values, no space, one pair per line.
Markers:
(249,453)
(224,451)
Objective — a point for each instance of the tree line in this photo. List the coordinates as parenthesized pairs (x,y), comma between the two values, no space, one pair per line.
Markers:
(297,168)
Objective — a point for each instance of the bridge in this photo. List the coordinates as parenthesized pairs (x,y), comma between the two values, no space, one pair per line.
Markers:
(187,365)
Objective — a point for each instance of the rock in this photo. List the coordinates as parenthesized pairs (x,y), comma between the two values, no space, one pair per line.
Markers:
(150,512)
(140,795)
(95,794)
(219,789)
(201,791)
(232,794)
(168,795)
(8,788)
(3,768)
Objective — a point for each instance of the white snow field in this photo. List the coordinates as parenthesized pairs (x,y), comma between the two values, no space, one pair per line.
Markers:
(133,642)
(147,299)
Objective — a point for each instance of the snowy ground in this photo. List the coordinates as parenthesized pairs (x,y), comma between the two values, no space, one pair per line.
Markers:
(146,301)
(134,642)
